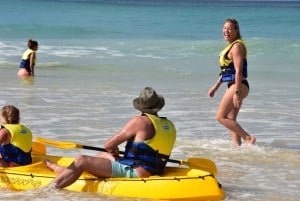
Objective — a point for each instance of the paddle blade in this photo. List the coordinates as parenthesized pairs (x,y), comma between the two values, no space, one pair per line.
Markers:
(38,148)
(63,145)
(68,145)
(204,164)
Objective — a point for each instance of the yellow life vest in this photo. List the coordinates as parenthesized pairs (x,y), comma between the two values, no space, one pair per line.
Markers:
(152,154)
(21,136)
(27,53)
(165,135)
(223,58)
(227,65)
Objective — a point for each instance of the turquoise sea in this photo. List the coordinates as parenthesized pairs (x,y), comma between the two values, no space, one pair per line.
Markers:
(95,56)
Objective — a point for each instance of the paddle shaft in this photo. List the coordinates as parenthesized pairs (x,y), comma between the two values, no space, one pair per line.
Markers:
(96,148)
(206,164)
(121,152)
(199,163)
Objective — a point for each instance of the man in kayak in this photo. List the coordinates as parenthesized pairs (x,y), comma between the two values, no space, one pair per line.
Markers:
(149,138)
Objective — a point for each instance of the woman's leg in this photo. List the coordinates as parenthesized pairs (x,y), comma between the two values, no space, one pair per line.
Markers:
(227,115)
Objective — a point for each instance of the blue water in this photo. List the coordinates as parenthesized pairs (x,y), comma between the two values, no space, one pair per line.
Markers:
(158,20)
(95,56)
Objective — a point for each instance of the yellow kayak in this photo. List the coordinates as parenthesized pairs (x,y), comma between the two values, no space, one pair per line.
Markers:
(177,183)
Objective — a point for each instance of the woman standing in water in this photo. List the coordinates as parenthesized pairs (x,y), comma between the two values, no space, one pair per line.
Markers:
(233,63)
(28,59)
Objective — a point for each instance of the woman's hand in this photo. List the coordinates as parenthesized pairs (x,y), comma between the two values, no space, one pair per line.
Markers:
(211,91)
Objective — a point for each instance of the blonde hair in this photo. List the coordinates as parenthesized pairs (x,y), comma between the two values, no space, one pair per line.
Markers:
(10,114)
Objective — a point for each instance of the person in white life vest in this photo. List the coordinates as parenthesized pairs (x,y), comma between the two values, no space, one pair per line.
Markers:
(233,63)
(15,139)
(149,141)
(28,61)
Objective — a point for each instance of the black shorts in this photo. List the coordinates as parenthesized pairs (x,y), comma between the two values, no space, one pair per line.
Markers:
(245,82)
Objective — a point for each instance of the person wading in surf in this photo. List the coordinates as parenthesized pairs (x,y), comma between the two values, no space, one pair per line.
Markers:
(233,62)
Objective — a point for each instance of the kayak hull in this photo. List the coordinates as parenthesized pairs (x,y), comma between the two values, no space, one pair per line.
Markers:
(177,183)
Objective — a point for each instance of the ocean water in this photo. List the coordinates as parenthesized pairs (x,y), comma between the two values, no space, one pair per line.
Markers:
(95,56)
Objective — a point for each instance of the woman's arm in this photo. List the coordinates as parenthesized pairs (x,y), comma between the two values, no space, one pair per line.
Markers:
(237,54)
(213,89)
(32,59)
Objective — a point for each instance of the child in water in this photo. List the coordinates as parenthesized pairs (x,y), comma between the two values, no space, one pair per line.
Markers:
(28,59)
(15,139)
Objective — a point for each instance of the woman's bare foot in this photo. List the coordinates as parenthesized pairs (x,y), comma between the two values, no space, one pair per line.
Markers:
(251,140)
(56,168)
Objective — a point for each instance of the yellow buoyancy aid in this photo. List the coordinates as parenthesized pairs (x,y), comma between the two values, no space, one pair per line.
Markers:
(165,135)
(21,136)
(227,65)
(27,53)
(152,154)
(25,62)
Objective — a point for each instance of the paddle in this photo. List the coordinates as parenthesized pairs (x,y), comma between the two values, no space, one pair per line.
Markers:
(38,148)
(200,163)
